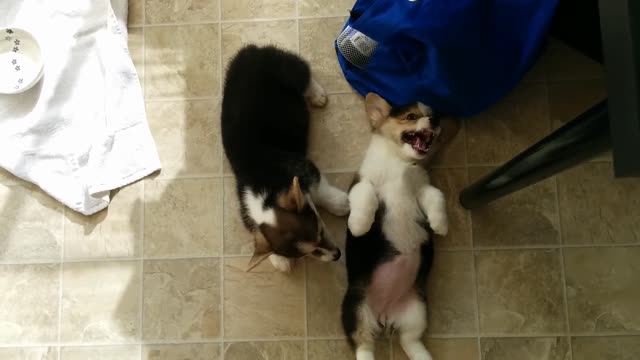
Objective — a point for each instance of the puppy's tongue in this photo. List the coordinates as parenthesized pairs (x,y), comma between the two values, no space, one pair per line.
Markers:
(419,144)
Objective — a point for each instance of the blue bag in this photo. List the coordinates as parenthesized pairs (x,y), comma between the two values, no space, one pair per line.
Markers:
(457,56)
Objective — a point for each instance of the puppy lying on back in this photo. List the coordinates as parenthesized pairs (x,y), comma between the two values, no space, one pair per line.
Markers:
(265,126)
(394,211)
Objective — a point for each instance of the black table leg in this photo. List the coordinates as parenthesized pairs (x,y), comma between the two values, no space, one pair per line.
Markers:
(581,139)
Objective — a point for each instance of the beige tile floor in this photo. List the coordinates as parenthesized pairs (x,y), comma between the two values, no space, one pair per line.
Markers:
(550,273)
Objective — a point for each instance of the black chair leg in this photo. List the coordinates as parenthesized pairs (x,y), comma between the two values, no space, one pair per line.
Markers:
(581,139)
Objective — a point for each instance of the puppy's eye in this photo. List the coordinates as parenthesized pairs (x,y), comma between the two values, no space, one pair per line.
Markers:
(411,117)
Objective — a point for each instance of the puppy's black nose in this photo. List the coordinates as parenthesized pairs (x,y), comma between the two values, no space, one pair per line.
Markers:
(336,255)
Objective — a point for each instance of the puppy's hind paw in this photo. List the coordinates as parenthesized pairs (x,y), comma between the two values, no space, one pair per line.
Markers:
(439,224)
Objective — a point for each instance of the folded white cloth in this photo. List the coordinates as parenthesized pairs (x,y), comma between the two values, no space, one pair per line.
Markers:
(82,131)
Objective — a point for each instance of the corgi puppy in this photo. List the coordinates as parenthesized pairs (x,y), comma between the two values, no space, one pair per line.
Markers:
(394,213)
(265,126)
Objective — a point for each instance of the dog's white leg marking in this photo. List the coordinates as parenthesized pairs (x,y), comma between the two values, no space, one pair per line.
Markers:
(281,263)
(364,203)
(433,204)
(363,353)
(316,94)
(364,336)
(330,197)
(412,324)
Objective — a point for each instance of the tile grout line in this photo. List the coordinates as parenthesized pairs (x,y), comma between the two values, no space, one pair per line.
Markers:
(563,271)
(516,248)
(635,334)
(144,13)
(112,259)
(226,174)
(144,55)
(222,156)
(297,19)
(221,266)
(473,255)
(563,275)
(144,65)
(566,301)
(142,185)
(551,335)
(222,307)
(494,165)
(188,257)
(141,270)
(306,319)
(239,21)
(217,97)
(181,99)
(555,246)
(190,177)
(476,288)
(143,81)
(60,279)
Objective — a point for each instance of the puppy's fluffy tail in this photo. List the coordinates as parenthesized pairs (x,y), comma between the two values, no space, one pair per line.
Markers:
(274,64)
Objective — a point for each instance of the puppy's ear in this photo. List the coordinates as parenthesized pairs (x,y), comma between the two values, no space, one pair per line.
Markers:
(377,109)
(293,199)
(261,252)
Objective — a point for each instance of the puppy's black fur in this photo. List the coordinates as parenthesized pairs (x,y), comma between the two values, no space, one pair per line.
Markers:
(265,126)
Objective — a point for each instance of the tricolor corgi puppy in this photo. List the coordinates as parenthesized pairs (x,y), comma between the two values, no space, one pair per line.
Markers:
(265,126)
(394,212)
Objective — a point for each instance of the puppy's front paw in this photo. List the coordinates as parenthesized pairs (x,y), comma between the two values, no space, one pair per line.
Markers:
(316,95)
(339,204)
(422,356)
(281,263)
(359,225)
(318,99)
(439,223)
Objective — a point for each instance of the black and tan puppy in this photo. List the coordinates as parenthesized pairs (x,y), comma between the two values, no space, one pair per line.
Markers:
(394,212)
(265,126)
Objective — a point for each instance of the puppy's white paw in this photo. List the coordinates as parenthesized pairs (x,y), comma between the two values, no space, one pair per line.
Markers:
(316,95)
(439,223)
(364,355)
(422,356)
(319,99)
(281,263)
(359,225)
(339,204)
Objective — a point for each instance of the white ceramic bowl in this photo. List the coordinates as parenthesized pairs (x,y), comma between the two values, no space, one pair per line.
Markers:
(21,62)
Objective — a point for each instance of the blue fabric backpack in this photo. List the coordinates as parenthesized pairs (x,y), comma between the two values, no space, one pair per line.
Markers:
(457,56)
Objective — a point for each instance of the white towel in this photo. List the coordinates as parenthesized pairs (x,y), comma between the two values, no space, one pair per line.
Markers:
(82,131)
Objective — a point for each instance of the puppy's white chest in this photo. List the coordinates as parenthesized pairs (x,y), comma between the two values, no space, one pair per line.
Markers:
(402,222)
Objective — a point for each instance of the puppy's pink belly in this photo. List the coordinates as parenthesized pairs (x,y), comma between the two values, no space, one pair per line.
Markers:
(392,286)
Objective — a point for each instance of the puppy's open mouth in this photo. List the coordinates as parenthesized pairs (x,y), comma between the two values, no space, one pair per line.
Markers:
(419,140)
